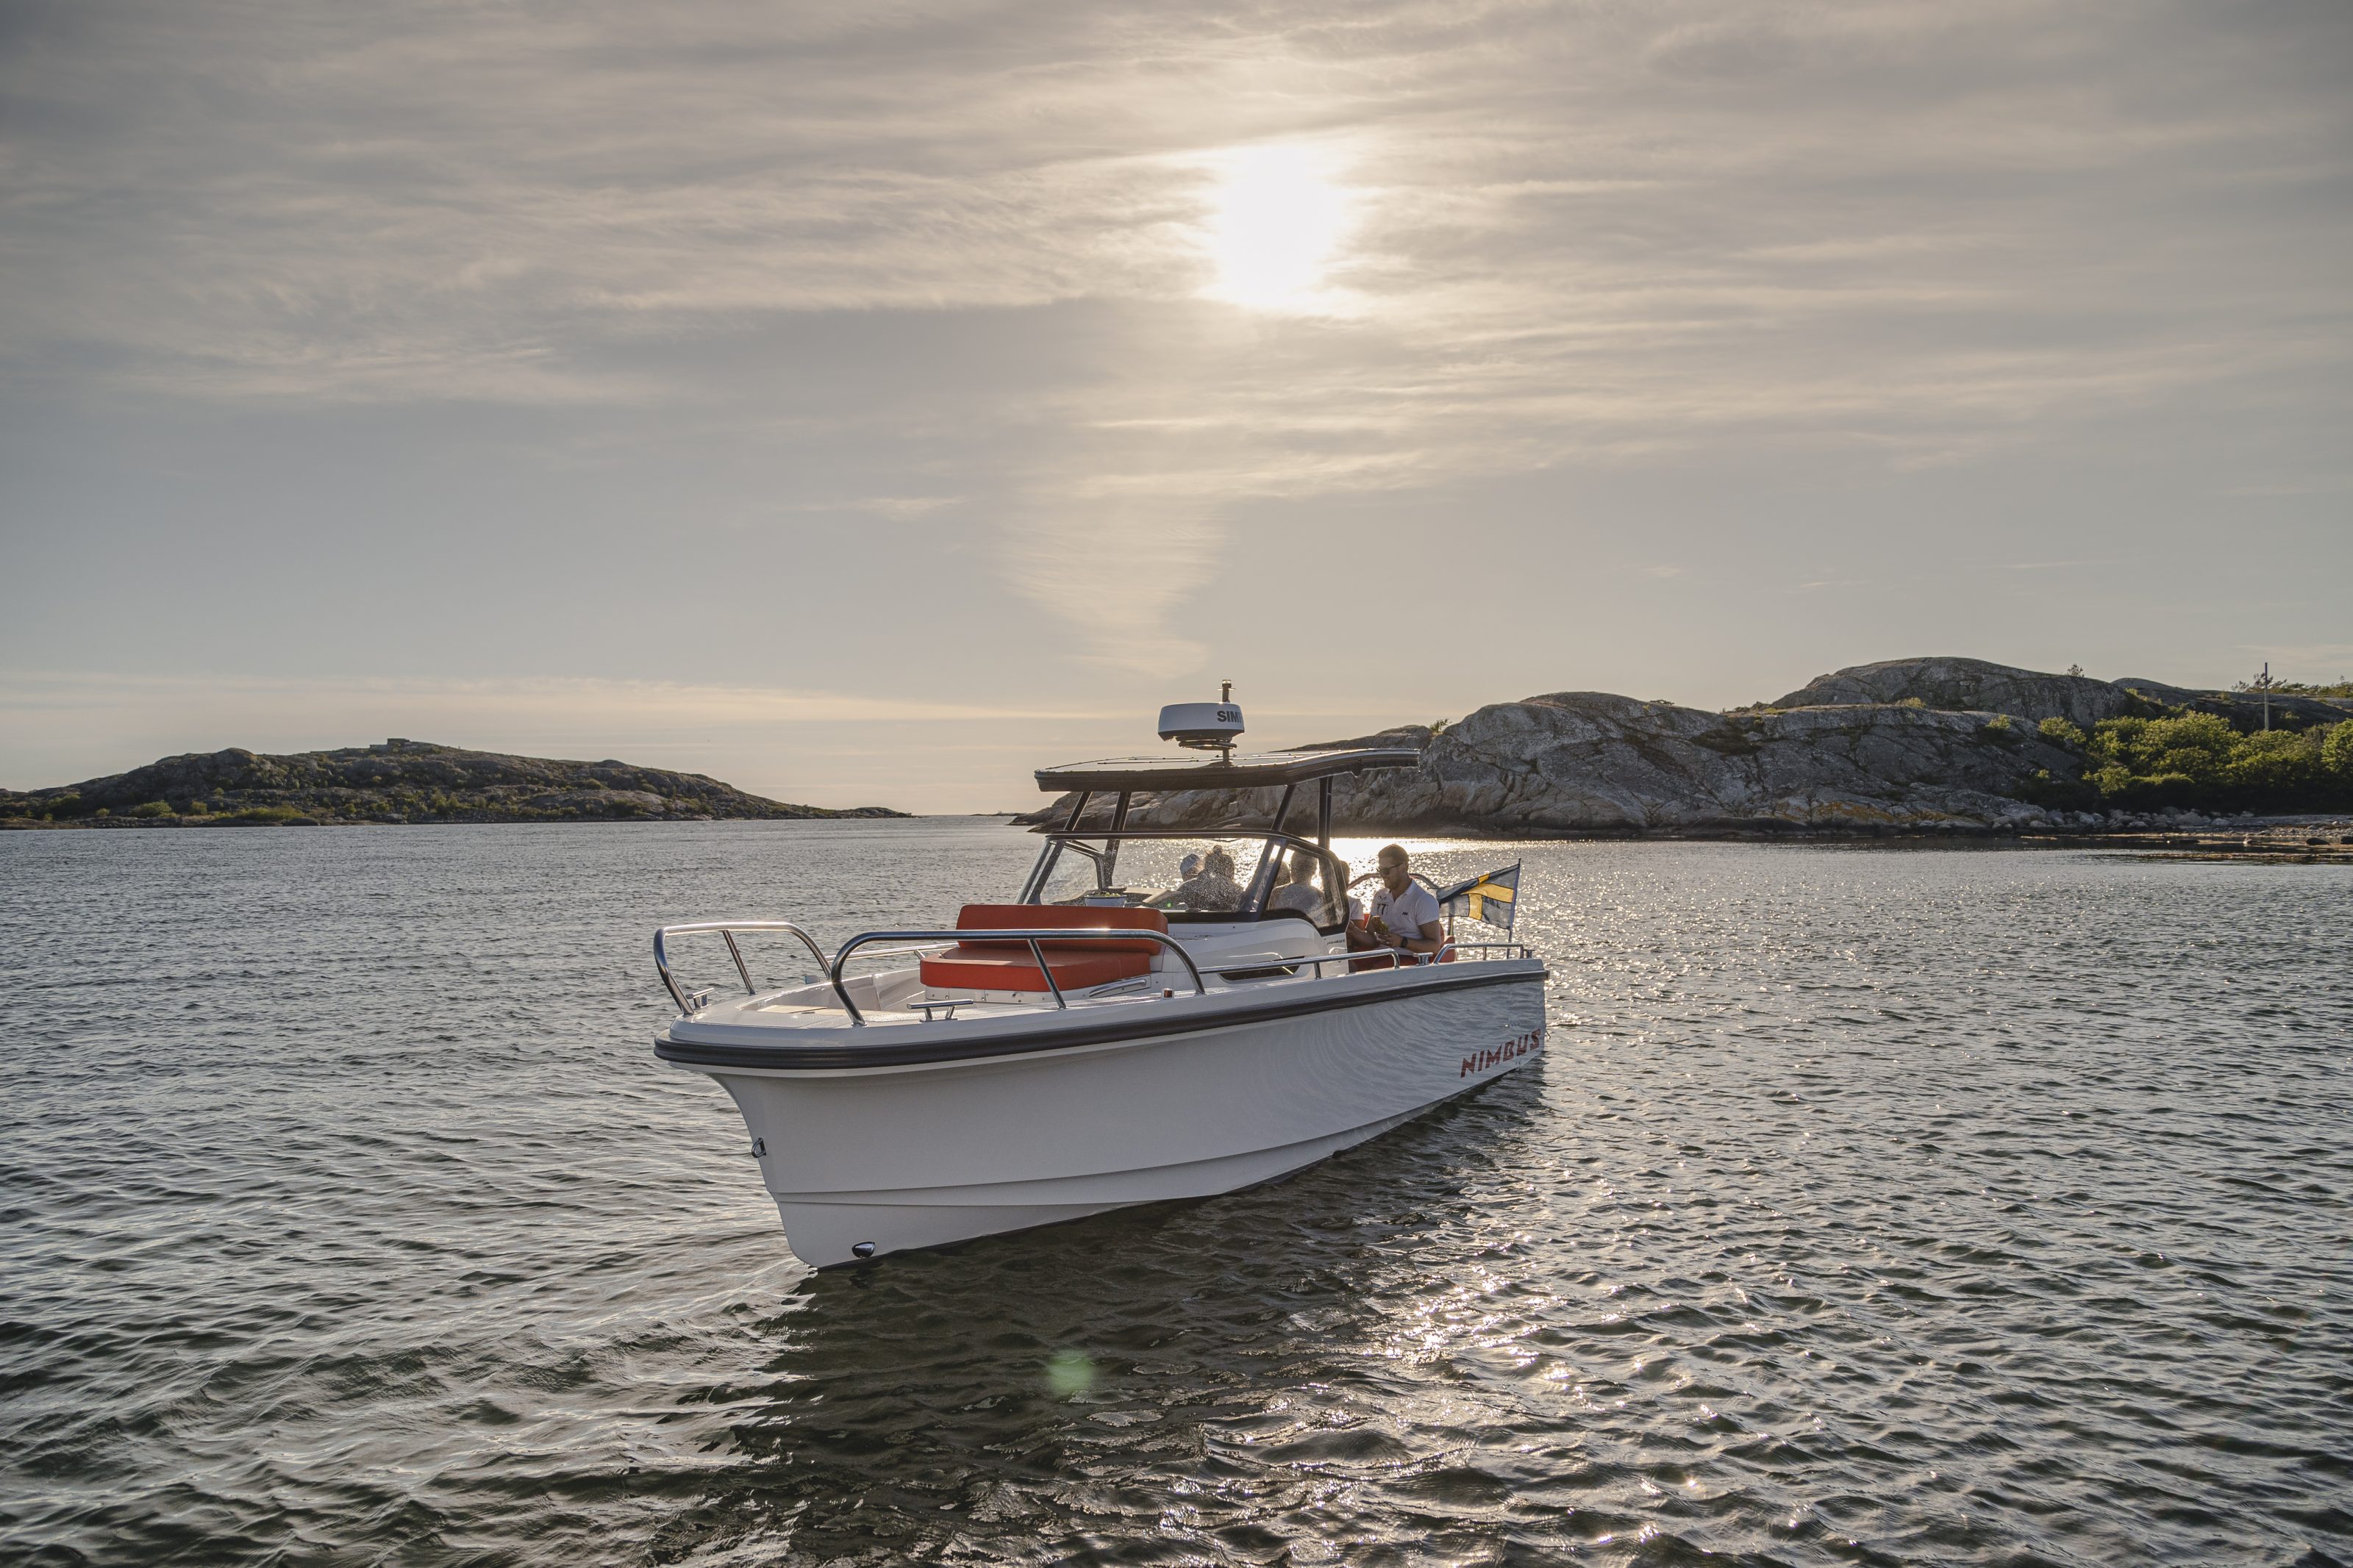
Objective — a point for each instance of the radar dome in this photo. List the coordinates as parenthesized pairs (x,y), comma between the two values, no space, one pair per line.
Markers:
(1206,726)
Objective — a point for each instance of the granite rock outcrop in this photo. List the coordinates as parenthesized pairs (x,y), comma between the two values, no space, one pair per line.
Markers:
(1905,745)
(1971,685)
(399,781)
(1582,762)
(1968,686)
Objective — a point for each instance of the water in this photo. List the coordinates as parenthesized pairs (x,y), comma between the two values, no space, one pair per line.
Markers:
(1878,1206)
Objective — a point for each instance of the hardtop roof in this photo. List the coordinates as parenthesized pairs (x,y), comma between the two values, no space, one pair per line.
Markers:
(1258,770)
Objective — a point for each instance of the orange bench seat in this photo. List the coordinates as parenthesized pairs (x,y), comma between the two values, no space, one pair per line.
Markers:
(1077,964)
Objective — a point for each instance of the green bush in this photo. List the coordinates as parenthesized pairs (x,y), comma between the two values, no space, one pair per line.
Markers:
(2336,753)
(2197,759)
(2287,761)
(2196,746)
(153,808)
(267,815)
(2061,794)
(2062,731)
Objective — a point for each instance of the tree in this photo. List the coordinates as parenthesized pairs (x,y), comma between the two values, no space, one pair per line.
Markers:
(2337,753)
(2276,761)
(2196,747)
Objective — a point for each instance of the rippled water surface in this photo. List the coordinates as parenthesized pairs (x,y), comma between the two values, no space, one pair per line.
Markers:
(1869,1205)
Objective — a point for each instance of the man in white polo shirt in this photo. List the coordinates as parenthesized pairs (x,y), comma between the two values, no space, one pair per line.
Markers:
(1403,914)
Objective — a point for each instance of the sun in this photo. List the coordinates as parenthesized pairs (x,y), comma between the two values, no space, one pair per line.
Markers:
(1276,222)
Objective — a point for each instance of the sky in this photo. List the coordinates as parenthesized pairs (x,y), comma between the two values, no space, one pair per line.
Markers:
(870,402)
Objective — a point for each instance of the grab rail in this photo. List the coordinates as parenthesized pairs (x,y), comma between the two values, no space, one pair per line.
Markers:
(1373,955)
(726,930)
(1032,938)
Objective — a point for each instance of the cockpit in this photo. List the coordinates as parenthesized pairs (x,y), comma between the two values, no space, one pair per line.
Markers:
(1225,875)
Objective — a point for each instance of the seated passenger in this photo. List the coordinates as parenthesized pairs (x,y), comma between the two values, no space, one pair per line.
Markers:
(1404,915)
(1213,889)
(1298,892)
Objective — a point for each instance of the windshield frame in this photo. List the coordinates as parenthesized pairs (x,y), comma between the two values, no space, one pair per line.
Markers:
(1102,846)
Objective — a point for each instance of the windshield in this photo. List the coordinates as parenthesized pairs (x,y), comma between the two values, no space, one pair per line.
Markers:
(1181,876)
(1245,878)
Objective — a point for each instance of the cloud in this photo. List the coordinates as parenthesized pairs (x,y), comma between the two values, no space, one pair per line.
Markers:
(1909,235)
(558,699)
(890,508)
(458,204)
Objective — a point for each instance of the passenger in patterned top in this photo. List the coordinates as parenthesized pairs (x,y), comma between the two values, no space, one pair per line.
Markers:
(1213,889)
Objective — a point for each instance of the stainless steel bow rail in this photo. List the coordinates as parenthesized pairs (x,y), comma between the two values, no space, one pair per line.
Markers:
(1032,939)
(1265,965)
(726,930)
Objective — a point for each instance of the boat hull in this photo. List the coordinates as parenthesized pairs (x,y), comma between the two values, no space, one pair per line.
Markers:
(863,1161)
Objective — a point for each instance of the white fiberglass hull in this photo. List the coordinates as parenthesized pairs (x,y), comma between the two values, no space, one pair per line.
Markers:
(1187,1098)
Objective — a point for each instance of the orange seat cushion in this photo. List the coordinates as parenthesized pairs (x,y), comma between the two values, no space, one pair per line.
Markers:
(1008,967)
(962,968)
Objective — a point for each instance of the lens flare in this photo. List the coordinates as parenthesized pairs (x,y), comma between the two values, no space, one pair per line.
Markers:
(1070,1373)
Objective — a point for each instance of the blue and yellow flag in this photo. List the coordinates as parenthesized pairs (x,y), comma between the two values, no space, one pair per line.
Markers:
(1493,898)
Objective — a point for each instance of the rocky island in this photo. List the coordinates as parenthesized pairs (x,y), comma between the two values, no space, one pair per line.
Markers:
(397,782)
(1916,746)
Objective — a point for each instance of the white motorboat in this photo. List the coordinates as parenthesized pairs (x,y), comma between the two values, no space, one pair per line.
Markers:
(1128,1030)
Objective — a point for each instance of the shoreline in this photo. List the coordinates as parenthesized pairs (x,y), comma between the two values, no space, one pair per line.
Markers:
(2317,838)
(232,819)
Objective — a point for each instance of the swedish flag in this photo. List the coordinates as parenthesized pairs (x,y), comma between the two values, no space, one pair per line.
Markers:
(1492,897)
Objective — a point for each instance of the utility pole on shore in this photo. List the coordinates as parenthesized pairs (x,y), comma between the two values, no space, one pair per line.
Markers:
(2263,683)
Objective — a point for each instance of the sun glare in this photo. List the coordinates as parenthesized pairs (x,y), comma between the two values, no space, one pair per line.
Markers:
(1275,224)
